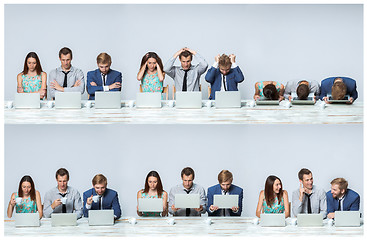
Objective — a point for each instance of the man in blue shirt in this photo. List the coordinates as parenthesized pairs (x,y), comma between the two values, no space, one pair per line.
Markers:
(338,87)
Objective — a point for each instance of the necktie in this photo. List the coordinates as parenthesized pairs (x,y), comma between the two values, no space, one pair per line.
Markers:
(308,202)
(63,205)
(65,79)
(224,82)
(104,79)
(184,86)
(339,204)
(100,203)
(187,209)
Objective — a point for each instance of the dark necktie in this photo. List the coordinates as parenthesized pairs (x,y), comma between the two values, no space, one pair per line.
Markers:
(104,79)
(184,86)
(308,202)
(339,205)
(63,205)
(224,82)
(187,209)
(100,203)
(65,79)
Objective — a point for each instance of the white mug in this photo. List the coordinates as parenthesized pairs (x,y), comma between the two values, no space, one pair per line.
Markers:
(95,199)
(50,104)
(250,103)
(63,200)
(322,105)
(88,104)
(171,221)
(294,221)
(330,222)
(18,200)
(131,103)
(171,103)
(9,104)
(132,221)
(255,221)
(208,104)
(208,221)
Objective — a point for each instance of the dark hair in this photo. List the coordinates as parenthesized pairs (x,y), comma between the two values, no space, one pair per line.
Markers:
(269,192)
(188,171)
(32,193)
(186,54)
(338,90)
(38,63)
(65,51)
(303,91)
(303,171)
(151,55)
(270,92)
(62,172)
(159,183)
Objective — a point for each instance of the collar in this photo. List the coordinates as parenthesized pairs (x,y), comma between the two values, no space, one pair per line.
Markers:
(189,68)
(192,188)
(67,190)
(59,69)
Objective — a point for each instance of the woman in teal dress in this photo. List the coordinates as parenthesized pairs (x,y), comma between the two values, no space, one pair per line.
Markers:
(32,79)
(270,90)
(151,73)
(273,199)
(30,198)
(153,189)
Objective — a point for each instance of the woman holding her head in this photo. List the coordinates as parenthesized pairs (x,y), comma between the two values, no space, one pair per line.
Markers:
(270,90)
(273,199)
(153,189)
(151,73)
(32,79)
(26,200)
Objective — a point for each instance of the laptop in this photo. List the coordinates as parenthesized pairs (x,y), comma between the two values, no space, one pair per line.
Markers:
(68,100)
(347,219)
(150,204)
(344,100)
(187,200)
(27,220)
(272,220)
(265,101)
(107,100)
(63,219)
(101,217)
(188,100)
(27,100)
(225,201)
(227,99)
(148,100)
(309,220)
(308,101)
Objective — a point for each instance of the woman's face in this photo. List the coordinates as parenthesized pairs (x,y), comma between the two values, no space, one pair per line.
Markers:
(26,188)
(31,63)
(277,186)
(151,64)
(152,182)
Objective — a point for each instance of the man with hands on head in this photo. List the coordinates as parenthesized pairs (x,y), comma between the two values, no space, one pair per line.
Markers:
(65,78)
(224,75)
(63,198)
(225,187)
(186,76)
(100,197)
(104,78)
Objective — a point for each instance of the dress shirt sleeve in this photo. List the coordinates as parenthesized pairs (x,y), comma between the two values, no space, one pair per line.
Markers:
(79,76)
(169,69)
(296,203)
(323,206)
(51,91)
(171,200)
(47,209)
(316,90)
(203,65)
(288,91)
(78,206)
(203,200)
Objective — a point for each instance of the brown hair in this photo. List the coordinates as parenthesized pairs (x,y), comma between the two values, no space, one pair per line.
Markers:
(343,184)
(303,171)
(269,192)
(99,179)
(104,58)
(65,51)
(338,90)
(188,171)
(186,54)
(303,91)
(62,172)
(38,63)
(225,176)
(224,61)
(32,193)
(151,55)
(159,183)
(270,92)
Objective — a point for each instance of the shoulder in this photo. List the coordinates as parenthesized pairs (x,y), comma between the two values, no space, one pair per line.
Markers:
(328,194)
(73,190)
(38,193)
(111,191)
(328,80)
(43,74)
(165,193)
(53,71)
(237,187)
(19,75)
(115,72)
(354,194)
(318,190)
(262,193)
(13,194)
(212,188)
(88,191)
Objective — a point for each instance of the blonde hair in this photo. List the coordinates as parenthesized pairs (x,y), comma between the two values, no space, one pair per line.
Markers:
(104,58)
(343,184)
(225,176)
(99,179)
(224,61)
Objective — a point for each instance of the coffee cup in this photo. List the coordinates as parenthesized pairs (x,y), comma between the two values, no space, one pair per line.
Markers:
(95,199)
(208,221)
(294,221)
(50,104)
(255,221)
(250,103)
(330,222)
(9,104)
(171,221)
(171,103)
(208,104)
(88,104)
(63,200)
(131,103)
(18,200)
(132,221)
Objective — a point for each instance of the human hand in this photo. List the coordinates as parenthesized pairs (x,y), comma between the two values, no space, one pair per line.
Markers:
(56,203)
(77,83)
(217,58)
(93,84)
(90,200)
(234,209)
(56,85)
(199,209)
(290,98)
(115,85)
(256,97)
(331,215)
(233,58)
(12,201)
(174,209)
(281,98)
(301,191)
(326,99)
(350,100)
(213,208)
(190,50)
(20,90)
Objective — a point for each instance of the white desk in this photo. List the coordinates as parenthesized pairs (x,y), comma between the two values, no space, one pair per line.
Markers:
(158,227)
(262,114)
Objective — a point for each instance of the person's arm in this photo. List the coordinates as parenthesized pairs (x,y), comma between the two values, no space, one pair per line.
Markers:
(160,73)
(239,210)
(79,84)
(171,202)
(91,79)
(165,204)
(85,208)
(43,90)
(49,205)
(203,201)
(142,71)
(116,206)
(259,204)
(257,91)
(19,83)
(203,65)
(296,203)
(210,208)
(354,93)
(39,204)
(286,204)
(288,90)
(78,205)
(210,75)
(169,69)
(137,206)
(51,78)
(323,91)
(330,210)
(355,205)
(11,206)
(116,85)
(323,205)
(238,75)
(281,92)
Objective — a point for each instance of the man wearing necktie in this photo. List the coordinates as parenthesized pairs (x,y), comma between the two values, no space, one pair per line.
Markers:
(104,78)
(107,198)
(341,198)
(224,75)
(308,198)
(225,187)
(65,78)
(187,76)
(63,198)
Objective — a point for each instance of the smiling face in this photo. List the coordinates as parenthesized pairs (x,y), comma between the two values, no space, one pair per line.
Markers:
(31,64)
(336,191)
(277,186)
(26,188)
(187,181)
(62,183)
(307,181)
(65,61)
(185,62)
(100,188)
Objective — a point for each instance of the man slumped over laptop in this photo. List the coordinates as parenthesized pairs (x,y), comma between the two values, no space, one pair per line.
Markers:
(338,87)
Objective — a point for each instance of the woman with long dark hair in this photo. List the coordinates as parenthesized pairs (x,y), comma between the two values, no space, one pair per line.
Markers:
(270,90)
(29,198)
(32,79)
(153,189)
(151,74)
(273,199)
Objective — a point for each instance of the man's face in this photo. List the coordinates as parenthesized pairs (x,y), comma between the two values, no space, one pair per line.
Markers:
(185,62)
(104,68)
(65,61)
(224,69)
(187,181)
(62,183)
(226,185)
(100,188)
(336,191)
(307,181)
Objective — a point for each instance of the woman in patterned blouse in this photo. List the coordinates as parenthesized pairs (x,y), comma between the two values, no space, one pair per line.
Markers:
(151,74)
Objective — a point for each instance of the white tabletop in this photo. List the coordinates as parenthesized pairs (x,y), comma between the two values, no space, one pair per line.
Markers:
(260,114)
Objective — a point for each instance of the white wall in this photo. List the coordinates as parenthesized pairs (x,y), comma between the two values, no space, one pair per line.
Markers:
(126,153)
(272,42)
